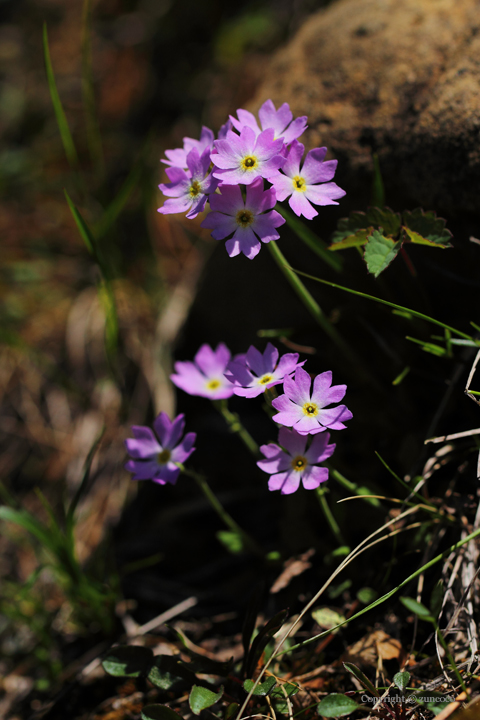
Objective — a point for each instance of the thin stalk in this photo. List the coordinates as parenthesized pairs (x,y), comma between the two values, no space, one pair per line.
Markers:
(202,483)
(334,527)
(451,660)
(236,426)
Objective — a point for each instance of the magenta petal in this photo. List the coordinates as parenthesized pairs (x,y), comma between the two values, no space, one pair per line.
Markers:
(248,242)
(325,194)
(314,476)
(307,425)
(290,484)
(320,449)
(283,187)
(287,364)
(321,385)
(300,206)
(212,362)
(298,389)
(295,154)
(334,417)
(270,450)
(295,129)
(142,470)
(292,441)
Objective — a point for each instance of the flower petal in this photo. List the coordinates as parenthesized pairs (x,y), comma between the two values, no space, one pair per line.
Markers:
(314,476)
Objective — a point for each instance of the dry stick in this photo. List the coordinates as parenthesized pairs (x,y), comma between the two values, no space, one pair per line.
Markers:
(351,556)
(454,436)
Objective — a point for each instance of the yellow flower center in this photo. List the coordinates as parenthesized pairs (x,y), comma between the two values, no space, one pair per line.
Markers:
(249,162)
(244,218)
(299,463)
(265,380)
(310,409)
(163,457)
(195,189)
(299,184)
(213,384)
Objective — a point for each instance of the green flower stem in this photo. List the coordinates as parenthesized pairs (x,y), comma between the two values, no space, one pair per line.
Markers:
(236,426)
(321,491)
(202,483)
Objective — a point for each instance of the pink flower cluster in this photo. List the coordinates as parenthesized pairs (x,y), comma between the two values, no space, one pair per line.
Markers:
(248,154)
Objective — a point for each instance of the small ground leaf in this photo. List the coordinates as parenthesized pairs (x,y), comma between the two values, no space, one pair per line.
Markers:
(202,698)
(128,661)
(379,252)
(262,688)
(159,712)
(336,705)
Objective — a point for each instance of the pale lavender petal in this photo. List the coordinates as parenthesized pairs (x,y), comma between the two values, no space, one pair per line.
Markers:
(290,484)
(313,165)
(224,129)
(265,229)
(313,477)
(238,374)
(175,205)
(307,425)
(183,451)
(255,361)
(270,356)
(176,157)
(222,225)
(270,450)
(320,449)
(145,444)
(292,164)
(318,173)
(252,391)
(268,168)
(198,206)
(325,194)
(321,385)
(249,244)
(237,176)
(169,431)
(229,202)
(233,247)
(295,129)
(334,417)
(276,481)
(142,470)
(287,364)
(335,394)
(289,413)
(292,441)
(298,389)
(255,196)
(300,205)
(275,463)
(266,146)
(176,174)
(189,378)
(283,187)
(268,200)
(166,474)
(246,118)
(212,362)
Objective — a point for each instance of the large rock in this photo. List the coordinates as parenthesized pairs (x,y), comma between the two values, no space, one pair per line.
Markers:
(400,77)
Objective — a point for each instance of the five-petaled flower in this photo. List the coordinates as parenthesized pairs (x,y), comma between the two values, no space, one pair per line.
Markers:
(155,458)
(205,375)
(256,372)
(178,157)
(189,190)
(291,461)
(246,219)
(281,121)
(307,412)
(244,158)
(303,186)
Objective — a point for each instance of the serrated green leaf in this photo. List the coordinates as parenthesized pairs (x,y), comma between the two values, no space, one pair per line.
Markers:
(336,705)
(384,218)
(327,618)
(419,240)
(128,661)
(401,680)
(417,608)
(427,225)
(379,252)
(262,688)
(356,240)
(349,226)
(201,698)
(159,712)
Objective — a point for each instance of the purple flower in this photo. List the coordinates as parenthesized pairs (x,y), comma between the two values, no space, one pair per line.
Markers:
(302,186)
(306,412)
(155,459)
(246,219)
(279,120)
(205,375)
(253,373)
(178,157)
(244,158)
(188,191)
(292,462)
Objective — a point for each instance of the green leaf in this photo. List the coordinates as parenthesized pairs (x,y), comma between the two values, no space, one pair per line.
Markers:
(427,226)
(128,661)
(419,240)
(166,672)
(354,670)
(357,240)
(232,541)
(326,617)
(28,522)
(401,680)
(231,710)
(431,348)
(336,705)
(83,228)
(262,688)
(417,608)
(349,226)
(386,219)
(318,246)
(367,595)
(65,134)
(280,694)
(379,252)
(436,599)
(335,591)
(201,698)
(159,712)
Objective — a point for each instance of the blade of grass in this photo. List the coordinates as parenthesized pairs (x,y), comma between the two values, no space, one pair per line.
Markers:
(65,134)
(28,522)
(86,474)
(420,315)
(93,131)
(311,240)
(411,493)
(118,203)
